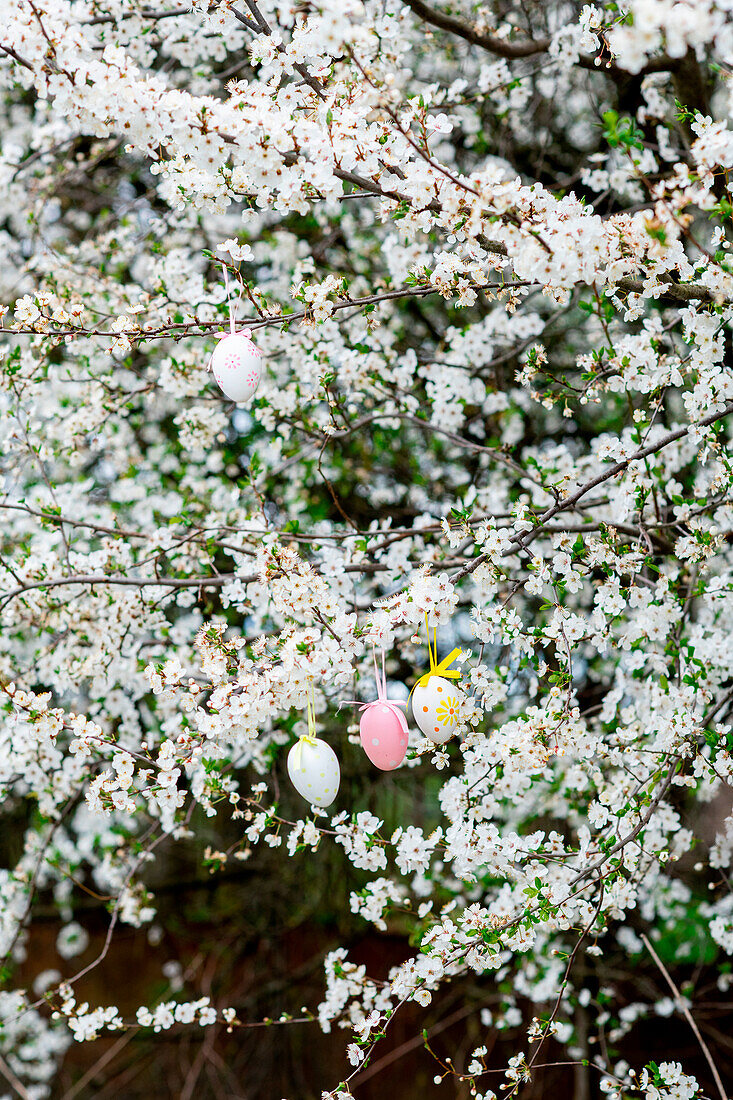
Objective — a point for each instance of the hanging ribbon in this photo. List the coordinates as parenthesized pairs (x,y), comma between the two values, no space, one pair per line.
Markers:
(381,701)
(436,669)
(309,738)
(232,325)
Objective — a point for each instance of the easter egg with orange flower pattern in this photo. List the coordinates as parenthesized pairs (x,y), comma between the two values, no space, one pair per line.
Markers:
(435,708)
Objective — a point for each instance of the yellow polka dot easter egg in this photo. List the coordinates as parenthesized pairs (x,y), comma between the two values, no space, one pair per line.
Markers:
(314,771)
(435,708)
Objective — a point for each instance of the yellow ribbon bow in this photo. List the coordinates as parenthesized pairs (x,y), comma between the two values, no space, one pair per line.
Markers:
(436,669)
(309,738)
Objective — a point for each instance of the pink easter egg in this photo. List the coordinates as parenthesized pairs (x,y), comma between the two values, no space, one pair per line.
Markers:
(382,737)
(237,365)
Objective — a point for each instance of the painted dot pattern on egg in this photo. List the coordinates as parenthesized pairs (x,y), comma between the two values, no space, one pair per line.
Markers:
(314,772)
(382,737)
(236,365)
(436,708)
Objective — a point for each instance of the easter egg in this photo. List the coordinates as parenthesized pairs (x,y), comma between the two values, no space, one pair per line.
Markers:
(435,708)
(314,771)
(383,737)
(236,364)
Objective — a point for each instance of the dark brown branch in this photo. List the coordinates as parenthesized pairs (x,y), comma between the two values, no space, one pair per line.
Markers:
(16,56)
(513,51)
(521,542)
(261,26)
(184,328)
(491,42)
(144,13)
(619,467)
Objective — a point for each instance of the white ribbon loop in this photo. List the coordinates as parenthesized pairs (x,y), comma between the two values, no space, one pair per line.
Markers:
(232,312)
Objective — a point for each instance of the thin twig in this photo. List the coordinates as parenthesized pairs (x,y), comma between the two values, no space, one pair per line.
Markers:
(12,1080)
(680,1002)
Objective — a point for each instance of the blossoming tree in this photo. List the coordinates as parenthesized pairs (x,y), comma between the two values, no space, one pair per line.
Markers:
(484,250)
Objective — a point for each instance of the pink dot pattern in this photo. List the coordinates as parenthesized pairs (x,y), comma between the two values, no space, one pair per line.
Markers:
(237,365)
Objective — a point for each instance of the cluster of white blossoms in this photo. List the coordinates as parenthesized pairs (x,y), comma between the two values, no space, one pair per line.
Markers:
(485,250)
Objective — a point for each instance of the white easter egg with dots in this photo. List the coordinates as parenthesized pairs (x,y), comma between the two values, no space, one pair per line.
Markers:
(314,771)
(236,364)
(435,708)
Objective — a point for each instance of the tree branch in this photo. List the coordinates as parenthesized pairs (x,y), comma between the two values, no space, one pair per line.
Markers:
(521,542)
(513,51)
(491,42)
(680,1002)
